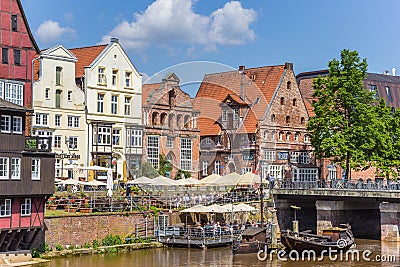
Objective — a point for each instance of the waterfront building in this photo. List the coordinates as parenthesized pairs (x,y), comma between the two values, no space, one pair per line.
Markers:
(26,179)
(254,120)
(385,86)
(18,48)
(59,106)
(171,127)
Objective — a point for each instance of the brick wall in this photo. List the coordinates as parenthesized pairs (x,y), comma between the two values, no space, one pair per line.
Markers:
(78,230)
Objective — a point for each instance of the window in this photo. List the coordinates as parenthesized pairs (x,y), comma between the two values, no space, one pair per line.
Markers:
(17,124)
(101,76)
(3,168)
(35,169)
(287,119)
(104,136)
(73,142)
(127,106)
(26,207)
(270,155)
(114,79)
(58,75)
(186,154)
(16,168)
(41,119)
(280,136)
(273,118)
(128,75)
(207,141)
(273,136)
(276,171)
(14,23)
(5,124)
(58,167)
(114,104)
(282,100)
(73,121)
(57,141)
(100,103)
(69,96)
(58,98)
(152,149)
(136,138)
(245,170)
(309,175)
(294,157)
(304,158)
(12,92)
(116,137)
(248,155)
(235,114)
(224,115)
(17,57)
(287,136)
(289,85)
(217,167)
(389,94)
(4,55)
(47,93)
(294,102)
(5,207)
(373,89)
(332,174)
(302,120)
(170,141)
(265,135)
(204,167)
(296,137)
(57,120)
(306,139)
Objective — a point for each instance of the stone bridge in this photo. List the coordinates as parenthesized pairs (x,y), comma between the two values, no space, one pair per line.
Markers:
(371,208)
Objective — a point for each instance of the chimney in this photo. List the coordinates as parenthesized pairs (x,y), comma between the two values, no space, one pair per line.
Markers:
(241,69)
(114,40)
(394,71)
(288,66)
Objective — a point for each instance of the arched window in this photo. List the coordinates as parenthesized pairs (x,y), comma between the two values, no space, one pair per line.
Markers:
(307,138)
(171,121)
(287,136)
(296,137)
(273,135)
(179,121)
(302,120)
(154,118)
(265,134)
(287,119)
(273,118)
(280,136)
(163,118)
(289,85)
(187,122)
(282,100)
(294,102)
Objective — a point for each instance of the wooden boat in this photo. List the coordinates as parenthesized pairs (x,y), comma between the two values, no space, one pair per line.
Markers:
(332,238)
(252,240)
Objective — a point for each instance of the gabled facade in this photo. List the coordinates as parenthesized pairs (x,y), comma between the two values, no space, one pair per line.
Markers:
(113,97)
(253,120)
(18,48)
(171,127)
(59,106)
(26,180)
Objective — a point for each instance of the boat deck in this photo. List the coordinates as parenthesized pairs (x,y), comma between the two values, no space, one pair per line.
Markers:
(196,242)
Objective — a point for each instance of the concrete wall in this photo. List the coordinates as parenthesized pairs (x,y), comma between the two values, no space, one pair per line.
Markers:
(78,230)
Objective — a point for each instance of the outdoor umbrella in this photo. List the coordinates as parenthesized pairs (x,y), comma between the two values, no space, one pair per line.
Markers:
(141,180)
(211,179)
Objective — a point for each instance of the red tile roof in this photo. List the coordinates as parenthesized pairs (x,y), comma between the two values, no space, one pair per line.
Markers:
(259,85)
(146,90)
(85,56)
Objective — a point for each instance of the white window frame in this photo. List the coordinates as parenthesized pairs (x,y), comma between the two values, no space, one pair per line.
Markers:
(47,93)
(57,141)
(224,115)
(294,156)
(101,76)
(57,120)
(235,114)
(296,137)
(58,167)
(114,104)
(5,207)
(5,123)
(16,169)
(186,154)
(204,167)
(42,119)
(114,78)
(12,92)
(69,95)
(100,103)
(128,76)
(103,135)
(304,158)
(270,155)
(170,141)
(73,121)
(35,170)
(73,142)
(153,146)
(136,137)
(245,170)
(217,167)
(276,171)
(116,136)
(127,110)
(26,207)
(307,174)
(4,168)
(17,124)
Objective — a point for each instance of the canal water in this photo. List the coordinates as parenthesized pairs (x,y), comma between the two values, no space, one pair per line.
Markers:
(382,254)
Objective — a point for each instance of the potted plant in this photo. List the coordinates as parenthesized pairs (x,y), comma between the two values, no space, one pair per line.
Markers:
(51,205)
(85,208)
(70,208)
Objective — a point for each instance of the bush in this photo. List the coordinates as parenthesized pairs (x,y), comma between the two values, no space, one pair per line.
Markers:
(59,247)
(36,253)
(95,244)
(111,240)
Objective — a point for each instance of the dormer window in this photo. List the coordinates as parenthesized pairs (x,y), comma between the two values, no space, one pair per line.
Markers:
(224,115)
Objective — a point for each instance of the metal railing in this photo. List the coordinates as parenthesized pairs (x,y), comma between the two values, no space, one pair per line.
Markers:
(341,184)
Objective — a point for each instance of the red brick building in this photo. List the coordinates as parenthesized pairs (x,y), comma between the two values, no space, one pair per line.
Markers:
(171,128)
(384,85)
(254,120)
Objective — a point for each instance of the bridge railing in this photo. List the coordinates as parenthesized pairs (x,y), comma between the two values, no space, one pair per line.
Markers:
(360,184)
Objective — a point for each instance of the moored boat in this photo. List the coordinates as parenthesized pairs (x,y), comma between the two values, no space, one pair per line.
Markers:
(253,239)
(334,239)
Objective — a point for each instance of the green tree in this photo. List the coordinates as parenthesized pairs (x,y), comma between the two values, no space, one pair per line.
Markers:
(180,172)
(165,165)
(148,170)
(345,121)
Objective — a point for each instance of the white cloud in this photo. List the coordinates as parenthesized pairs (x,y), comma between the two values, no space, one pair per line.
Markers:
(169,22)
(69,16)
(50,31)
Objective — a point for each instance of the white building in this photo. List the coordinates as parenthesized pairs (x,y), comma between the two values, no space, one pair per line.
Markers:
(113,89)
(59,106)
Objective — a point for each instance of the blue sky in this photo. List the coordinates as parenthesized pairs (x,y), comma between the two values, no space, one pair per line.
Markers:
(166,34)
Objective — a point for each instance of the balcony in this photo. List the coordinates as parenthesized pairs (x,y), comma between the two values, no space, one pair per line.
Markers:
(37,144)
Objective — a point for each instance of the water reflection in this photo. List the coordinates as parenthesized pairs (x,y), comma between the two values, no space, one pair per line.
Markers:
(218,257)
